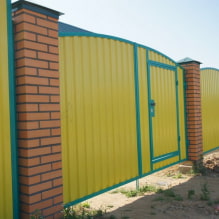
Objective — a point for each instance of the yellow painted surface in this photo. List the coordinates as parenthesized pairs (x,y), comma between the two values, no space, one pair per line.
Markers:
(98,114)
(164,163)
(210,108)
(164,123)
(154,56)
(6,201)
(181,101)
(143,99)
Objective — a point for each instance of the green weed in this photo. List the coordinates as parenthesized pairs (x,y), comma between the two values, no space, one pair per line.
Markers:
(169,193)
(82,211)
(190,194)
(205,195)
(36,215)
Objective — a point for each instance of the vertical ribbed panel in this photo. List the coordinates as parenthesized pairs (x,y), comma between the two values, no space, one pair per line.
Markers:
(210,108)
(163,92)
(98,114)
(6,201)
(143,93)
(182,119)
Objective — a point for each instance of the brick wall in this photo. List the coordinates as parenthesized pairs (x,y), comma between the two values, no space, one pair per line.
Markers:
(193,108)
(38,109)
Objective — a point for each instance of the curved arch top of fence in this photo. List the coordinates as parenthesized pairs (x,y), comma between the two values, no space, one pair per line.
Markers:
(210,69)
(77,34)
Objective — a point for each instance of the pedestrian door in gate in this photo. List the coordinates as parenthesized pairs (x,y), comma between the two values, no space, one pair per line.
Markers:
(163,114)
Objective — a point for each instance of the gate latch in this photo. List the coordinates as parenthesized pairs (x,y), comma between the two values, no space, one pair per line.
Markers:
(152,108)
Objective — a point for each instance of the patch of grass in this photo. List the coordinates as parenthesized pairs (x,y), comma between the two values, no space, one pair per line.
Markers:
(159,191)
(85,205)
(213,202)
(131,193)
(190,194)
(82,211)
(205,195)
(148,188)
(138,192)
(169,193)
(36,215)
(178,198)
(178,176)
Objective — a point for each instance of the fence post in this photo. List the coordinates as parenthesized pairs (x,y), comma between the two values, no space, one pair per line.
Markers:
(38,109)
(193,108)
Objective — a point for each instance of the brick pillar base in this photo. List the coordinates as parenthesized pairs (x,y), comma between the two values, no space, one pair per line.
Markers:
(38,109)
(193,108)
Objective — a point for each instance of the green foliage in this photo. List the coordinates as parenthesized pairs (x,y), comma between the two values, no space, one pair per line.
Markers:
(138,192)
(178,198)
(85,205)
(82,211)
(36,215)
(169,193)
(205,195)
(148,188)
(190,194)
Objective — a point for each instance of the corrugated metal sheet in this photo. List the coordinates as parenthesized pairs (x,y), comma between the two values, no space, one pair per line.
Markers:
(155,56)
(210,108)
(6,200)
(143,93)
(98,114)
(107,85)
(164,123)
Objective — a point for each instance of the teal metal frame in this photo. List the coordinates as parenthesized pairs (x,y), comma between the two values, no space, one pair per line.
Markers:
(138,124)
(12,96)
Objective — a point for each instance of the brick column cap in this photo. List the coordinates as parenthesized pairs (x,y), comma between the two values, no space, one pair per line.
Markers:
(22,4)
(188,60)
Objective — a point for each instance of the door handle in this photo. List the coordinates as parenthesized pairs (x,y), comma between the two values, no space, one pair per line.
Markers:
(152,108)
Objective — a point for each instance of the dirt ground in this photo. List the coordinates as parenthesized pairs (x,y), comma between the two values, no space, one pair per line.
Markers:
(186,202)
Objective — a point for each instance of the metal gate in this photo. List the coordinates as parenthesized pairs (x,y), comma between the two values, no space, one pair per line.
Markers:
(123,113)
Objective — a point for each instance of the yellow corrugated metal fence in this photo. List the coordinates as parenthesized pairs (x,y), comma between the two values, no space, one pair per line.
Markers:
(98,115)
(112,131)
(210,108)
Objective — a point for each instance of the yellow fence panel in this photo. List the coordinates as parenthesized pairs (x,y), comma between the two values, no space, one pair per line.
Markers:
(155,56)
(210,108)
(98,114)
(6,200)
(163,92)
(143,99)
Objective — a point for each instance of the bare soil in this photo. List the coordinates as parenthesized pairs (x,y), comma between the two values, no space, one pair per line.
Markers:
(189,189)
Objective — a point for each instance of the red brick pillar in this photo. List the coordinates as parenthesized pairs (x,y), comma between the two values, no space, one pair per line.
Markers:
(193,108)
(38,109)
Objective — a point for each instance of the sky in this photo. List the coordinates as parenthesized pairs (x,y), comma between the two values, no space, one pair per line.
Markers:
(177,28)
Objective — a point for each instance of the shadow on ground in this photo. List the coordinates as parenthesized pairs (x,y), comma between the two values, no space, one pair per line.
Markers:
(195,198)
